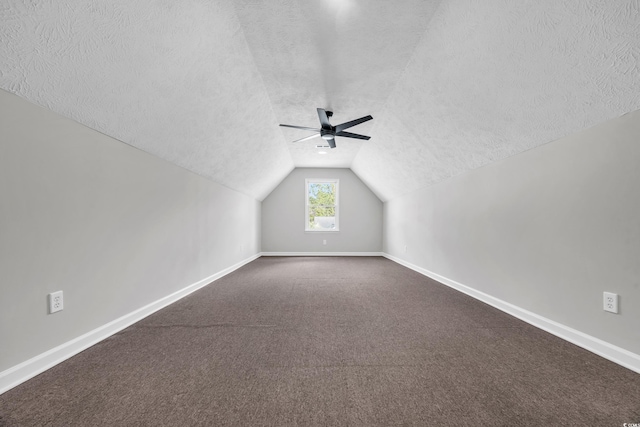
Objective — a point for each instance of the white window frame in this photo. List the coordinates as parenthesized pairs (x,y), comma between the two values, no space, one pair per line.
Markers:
(306,203)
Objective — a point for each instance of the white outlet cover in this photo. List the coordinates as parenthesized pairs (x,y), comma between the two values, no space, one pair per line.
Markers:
(610,302)
(56,302)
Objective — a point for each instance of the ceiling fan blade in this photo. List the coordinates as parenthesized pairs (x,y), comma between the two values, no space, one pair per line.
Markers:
(352,135)
(332,143)
(324,119)
(347,125)
(301,127)
(315,135)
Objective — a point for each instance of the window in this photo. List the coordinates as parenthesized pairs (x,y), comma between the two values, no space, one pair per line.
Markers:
(321,197)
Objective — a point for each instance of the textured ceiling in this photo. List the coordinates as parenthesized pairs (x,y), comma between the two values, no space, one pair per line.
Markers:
(452,84)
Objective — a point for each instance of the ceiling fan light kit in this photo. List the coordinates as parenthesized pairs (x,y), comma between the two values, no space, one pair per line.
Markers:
(329,132)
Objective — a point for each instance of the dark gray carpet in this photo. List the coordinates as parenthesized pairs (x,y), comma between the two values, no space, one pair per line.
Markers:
(328,341)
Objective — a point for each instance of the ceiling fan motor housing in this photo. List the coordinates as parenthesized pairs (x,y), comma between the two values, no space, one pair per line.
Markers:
(327,134)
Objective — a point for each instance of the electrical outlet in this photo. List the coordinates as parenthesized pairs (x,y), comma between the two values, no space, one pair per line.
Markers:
(610,302)
(56,303)
(324,242)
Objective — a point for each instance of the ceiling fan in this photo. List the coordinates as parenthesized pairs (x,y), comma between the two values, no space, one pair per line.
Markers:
(328,132)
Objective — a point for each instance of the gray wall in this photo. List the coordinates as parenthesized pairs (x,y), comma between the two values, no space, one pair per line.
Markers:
(111,226)
(548,230)
(283,216)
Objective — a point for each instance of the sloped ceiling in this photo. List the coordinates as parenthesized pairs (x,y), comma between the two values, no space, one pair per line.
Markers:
(452,85)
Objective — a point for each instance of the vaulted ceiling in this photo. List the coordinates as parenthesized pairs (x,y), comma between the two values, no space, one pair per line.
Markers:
(452,84)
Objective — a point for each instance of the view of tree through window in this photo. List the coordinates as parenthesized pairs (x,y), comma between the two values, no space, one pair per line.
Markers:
(322,205)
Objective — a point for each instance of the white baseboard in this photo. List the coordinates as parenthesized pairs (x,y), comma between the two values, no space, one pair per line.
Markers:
(40,363)
(595,345)
(321,254)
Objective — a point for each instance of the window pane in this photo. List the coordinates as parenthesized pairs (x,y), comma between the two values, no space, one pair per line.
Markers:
(322,193)
(322,218)
(321,211)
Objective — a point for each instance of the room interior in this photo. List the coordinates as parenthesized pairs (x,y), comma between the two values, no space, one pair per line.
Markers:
(141,157)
